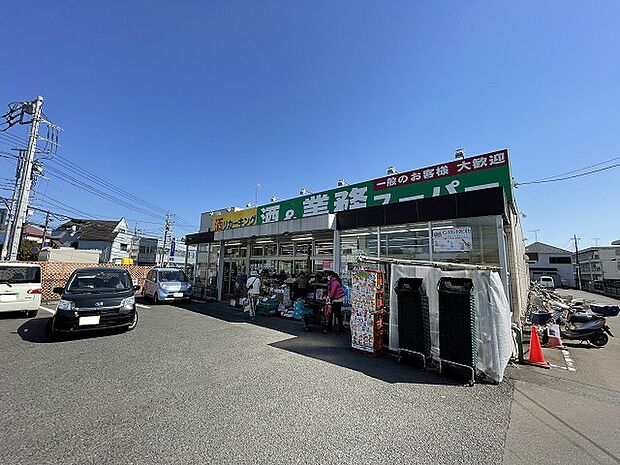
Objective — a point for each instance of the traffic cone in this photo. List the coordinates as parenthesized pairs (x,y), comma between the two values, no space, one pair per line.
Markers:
(536,354)
(555,341)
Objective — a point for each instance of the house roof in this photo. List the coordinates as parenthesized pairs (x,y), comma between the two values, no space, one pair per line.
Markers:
(93,230)
(541,247)
(32,231)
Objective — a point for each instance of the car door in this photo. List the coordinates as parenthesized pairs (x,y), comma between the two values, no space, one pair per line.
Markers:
(148,284)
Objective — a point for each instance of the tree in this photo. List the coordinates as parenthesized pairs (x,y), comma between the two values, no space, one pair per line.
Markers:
(25,250)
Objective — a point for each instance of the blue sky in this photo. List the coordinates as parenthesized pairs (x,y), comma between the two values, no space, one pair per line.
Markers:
(189,104)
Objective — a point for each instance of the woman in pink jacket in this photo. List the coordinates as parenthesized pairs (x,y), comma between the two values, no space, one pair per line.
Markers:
(335,293)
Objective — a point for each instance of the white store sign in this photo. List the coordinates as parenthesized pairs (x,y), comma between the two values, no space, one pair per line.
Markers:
(452,240)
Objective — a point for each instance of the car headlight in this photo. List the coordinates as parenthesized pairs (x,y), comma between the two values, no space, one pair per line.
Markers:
(189,287)
(66,305)
(128,303)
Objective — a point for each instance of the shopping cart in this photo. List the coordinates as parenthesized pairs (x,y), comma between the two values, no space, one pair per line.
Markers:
(317,317)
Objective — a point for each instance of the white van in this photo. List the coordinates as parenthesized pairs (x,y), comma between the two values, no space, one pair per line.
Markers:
(20,288)
(546,281)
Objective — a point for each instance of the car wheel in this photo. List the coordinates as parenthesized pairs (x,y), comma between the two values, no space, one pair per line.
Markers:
(155,298)
(599,339)
(134,322)
(32,313)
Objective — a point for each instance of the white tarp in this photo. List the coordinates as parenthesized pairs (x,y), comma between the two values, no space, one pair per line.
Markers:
(492,314)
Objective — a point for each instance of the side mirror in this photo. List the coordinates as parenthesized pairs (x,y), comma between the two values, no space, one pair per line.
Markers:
(59,290)
(136,288)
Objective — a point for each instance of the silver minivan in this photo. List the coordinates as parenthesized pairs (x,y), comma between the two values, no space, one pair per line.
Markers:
(20,288)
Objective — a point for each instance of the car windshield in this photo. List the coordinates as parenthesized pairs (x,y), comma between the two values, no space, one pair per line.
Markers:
(100,281)
(172,275)
(20,274)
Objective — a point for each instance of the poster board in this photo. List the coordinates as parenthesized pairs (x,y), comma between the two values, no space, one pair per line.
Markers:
(452,239)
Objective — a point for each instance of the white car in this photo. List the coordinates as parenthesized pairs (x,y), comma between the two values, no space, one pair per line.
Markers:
(546,281)
(20,288)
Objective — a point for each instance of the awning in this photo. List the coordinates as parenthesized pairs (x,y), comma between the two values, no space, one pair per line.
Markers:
(199,238)
(484,202)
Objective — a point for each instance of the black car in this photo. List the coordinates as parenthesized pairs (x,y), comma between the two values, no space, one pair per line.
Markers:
(95,298)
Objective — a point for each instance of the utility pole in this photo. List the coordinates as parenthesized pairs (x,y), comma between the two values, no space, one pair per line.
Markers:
(167,228)
(47,222)
(25,181)
(577,260)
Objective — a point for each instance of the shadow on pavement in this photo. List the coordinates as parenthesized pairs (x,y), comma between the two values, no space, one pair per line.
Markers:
(35,330)
(331,347)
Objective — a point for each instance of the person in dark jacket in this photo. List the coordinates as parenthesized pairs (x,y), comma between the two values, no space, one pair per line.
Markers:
(335,294)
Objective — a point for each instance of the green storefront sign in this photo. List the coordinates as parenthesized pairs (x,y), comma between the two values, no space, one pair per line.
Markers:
(473,173)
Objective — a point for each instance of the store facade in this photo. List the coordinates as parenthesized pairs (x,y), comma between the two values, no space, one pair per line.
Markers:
(460,211)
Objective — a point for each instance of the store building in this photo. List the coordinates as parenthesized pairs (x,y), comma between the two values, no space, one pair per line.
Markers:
(461,211)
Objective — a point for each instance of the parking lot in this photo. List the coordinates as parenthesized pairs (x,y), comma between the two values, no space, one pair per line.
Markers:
(198,383)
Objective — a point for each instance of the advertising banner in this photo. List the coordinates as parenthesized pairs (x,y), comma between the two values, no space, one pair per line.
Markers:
(452,240)
(234,220)
(467,174)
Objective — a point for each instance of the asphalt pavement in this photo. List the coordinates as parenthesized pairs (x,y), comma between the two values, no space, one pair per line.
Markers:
(565,416)
(199,383)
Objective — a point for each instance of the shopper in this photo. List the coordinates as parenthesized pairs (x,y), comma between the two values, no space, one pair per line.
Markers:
(302,285)
(335,294)
(253,285)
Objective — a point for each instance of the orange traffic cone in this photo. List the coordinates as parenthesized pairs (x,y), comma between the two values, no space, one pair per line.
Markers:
(536,354)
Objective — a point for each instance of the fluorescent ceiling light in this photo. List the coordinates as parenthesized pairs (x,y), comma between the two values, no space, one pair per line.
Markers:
(232,243)
(301,238)
(358,234)
(265,241)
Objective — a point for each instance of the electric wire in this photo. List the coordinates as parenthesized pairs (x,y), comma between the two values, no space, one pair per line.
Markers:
(564,178)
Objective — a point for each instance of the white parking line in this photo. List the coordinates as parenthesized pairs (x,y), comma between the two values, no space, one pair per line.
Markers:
(142,306)
(570,365)
(53,312)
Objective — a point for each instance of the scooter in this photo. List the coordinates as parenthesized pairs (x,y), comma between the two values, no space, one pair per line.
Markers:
(582,326)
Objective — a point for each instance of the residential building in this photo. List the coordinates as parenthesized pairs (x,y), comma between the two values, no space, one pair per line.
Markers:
(33,234)
(547,260)
(146,253)
(599,263)
(110,237)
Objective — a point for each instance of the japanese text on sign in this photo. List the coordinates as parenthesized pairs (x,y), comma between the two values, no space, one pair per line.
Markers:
(234,220)
(440,171)
(452,239)
(468,174)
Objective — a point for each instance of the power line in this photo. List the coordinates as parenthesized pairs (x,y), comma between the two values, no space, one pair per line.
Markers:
(131,200)
(542,181)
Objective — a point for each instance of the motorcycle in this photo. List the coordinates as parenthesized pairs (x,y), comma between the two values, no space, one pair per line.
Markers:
(580,326)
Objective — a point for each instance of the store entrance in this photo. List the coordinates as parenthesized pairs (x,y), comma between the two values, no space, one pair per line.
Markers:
(232,271)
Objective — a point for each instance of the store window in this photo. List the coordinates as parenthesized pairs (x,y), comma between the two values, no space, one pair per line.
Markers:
(286,266)
(257,251)
(363,240)
(300,265)
(231,250)
(271,250)
(354,242)
(287,249)
(408,241)
(303,248)
(324,248)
